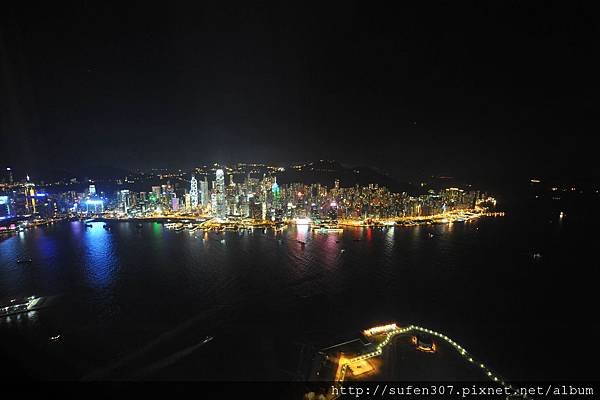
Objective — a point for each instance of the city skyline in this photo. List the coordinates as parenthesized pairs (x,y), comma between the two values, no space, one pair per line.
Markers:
(259,198)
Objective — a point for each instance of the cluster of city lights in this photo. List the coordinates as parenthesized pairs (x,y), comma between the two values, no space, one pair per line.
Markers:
(392,330)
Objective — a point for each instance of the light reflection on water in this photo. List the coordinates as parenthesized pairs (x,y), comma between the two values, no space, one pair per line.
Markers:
(139,283)
(100,256)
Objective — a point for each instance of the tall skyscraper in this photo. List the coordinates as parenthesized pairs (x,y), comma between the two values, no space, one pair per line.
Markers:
(124,200)
(188,202)
(333,211)
(204,198)
(9,175)
(221,210)
(194,193)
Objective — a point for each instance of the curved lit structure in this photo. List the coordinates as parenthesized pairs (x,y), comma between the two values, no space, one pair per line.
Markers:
(392,330)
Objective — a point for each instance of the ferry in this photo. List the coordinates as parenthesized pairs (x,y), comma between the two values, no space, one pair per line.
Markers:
(323,228)
(327,230)
(31,303)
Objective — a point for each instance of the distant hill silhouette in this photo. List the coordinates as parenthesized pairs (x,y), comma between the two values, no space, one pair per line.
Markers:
(326,172)
(100,172)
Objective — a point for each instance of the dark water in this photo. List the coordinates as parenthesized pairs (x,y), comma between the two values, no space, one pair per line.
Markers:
(137,303)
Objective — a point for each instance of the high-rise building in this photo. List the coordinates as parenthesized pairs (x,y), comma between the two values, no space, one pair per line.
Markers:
(333,211)
(6,210)
(256,209)
(213,203)
(194,193)
(124,200)
(221,211)
(9,175)
(204,198)
(188,202)
(92,190)
(314,212)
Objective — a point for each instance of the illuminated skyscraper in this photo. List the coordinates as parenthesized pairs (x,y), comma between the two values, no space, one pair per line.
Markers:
(194,193)
(188,202)
(9,176)
(124,200)
(333,211)
(221,210)
(204,192)
(30,196)
(5,208)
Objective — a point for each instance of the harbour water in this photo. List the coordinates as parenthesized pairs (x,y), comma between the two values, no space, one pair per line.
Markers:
(139,303)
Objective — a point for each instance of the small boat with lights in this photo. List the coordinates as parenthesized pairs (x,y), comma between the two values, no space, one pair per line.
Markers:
(324,228)
(19,306)
(54,338)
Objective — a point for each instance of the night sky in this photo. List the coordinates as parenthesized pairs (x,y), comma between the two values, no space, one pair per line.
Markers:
(499,89)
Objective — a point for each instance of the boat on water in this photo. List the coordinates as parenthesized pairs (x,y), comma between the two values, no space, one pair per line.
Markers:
(177,227)
(24,305)
(24,260)
(324,228)
(207,339)
(54,338)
